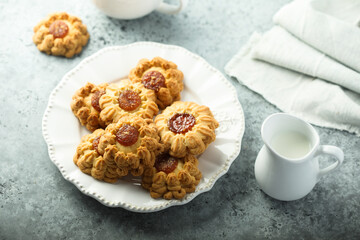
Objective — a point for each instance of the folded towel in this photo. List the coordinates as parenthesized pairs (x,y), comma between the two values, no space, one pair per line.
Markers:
(289,71)
(316,23)
(279,47)
(312,99)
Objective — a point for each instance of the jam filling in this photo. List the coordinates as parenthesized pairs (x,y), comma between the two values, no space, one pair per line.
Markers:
(129,100)
(127,135)
(95,100)
(95,143)
(181,122)
(153,80)
(59,29)
(166,163)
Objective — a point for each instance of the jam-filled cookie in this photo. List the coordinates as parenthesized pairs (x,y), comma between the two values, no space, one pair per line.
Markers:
(132,143)
(60,34)
(127,98)
(85,105)
(90,161)
(186,128)
(162,76)
(172,177)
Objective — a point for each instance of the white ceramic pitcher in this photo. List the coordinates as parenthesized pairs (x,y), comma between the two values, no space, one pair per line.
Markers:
(291,178)
(131,9)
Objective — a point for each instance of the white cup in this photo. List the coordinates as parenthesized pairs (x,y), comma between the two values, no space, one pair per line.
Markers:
(291,178)
(131,9)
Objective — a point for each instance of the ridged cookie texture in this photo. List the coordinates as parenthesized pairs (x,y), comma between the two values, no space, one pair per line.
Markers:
(193,141)
(90,161)
(132,143)
(61,34)
(162,77)
(175,184)
(117,101)
(83,102)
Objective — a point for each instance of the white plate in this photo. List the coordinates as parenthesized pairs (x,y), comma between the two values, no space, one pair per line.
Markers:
(203,84)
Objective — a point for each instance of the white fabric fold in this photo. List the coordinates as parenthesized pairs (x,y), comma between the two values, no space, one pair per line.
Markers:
(309,63)
(279,47)
(329,26)
(312,99)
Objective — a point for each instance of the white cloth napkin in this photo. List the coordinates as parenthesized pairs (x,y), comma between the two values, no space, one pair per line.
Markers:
(301,69)
(279,47)
(315,23)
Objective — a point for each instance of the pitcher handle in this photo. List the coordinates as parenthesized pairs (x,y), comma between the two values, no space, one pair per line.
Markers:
(334,151)
(171,9)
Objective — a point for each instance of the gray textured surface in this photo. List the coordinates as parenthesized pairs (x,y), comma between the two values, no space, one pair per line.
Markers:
(37,203)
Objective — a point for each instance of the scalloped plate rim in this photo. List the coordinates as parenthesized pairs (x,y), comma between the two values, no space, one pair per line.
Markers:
(162,206)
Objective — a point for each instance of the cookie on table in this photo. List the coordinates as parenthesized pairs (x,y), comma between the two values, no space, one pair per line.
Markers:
(186,128)
(172,177)
(127,98)
(85,105)
(132,143)
(90,161)
(161,76)
(60,34)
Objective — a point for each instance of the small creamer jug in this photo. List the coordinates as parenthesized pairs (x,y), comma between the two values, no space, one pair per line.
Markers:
(286,167)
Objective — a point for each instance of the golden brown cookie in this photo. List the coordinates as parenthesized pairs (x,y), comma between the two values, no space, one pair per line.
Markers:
(60,34)
(186,128)
(172,177)
(127,98)
(161,76)
(132,143)
(89,161)
(85,105)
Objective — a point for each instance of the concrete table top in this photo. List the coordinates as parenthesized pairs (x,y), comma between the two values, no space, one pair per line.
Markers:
(37,203)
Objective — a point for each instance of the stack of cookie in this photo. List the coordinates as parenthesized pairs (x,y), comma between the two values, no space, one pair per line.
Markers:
(125,139)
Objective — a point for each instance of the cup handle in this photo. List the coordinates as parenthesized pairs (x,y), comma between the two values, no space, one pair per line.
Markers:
(330,150)
(171,9)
